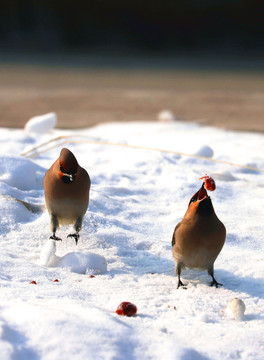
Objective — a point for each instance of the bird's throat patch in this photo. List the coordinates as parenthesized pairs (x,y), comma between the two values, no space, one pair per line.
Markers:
(66,179)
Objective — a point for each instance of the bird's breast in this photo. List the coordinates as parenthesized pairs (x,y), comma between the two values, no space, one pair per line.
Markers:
(198,243)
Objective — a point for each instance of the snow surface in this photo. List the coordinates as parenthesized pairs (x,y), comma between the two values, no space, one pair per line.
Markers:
(138,195)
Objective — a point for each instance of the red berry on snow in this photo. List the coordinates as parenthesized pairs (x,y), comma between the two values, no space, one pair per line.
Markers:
(126,308)
(91,276)
(209,182)
(56,280)
(33,282)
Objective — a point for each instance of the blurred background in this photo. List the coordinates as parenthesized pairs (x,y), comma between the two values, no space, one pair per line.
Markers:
(98,61)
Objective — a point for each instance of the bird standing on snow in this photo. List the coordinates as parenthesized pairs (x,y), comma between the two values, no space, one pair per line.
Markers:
(66,187)
(199,237)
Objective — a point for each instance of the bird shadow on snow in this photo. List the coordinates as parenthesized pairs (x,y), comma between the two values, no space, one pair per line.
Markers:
(19,343)
(190,354)
(246,284)
(230,281)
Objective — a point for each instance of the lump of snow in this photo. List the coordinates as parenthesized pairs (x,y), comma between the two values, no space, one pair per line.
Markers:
(21,173)
(205,151)
(77,262)
(41,124)
(47,254)
(235,309)
(83,263)
(166,116)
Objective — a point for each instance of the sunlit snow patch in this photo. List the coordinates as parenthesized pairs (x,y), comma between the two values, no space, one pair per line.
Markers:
(80,263)
(41,124)
(21,173)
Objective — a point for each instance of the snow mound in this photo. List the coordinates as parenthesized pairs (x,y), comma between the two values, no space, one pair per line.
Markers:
(21,173)
(81,263)
(77,262)
(41,124)
(166,116)
(205,151)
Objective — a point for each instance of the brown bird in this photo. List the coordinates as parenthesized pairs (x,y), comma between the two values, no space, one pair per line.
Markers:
(66,188)
(199,237)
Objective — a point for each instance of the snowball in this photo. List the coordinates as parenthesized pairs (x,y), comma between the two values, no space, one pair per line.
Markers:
(166,116)
(83,263)
(205,151)
(41,124)
(235,309)
(47,254)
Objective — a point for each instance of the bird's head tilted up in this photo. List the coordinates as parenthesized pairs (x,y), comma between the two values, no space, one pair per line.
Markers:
(200,201)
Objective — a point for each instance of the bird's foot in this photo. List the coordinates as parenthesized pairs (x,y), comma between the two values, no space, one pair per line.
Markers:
(54,237)
(75,236)
(180,284)
(215,283)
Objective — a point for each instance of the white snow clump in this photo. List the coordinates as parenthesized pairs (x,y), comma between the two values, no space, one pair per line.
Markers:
(80,263)
(235,309)
(47,254)
(41,124)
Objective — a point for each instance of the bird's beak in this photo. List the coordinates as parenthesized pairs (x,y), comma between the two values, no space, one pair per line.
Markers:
(199,195)
(72,177)
(68,178)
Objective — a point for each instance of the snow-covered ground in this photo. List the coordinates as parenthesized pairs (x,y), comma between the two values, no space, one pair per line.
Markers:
(137,197)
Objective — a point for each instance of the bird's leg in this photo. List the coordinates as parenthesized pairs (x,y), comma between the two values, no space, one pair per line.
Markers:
(178,273)
(75,236)
(54,237)
(54,224)
(214,282)
(180,283)
(77,227)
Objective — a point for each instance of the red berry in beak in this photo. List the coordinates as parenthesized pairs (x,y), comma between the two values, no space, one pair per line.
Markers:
(209,182)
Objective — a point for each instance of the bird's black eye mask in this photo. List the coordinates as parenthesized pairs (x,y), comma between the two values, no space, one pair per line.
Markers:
(68,177)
